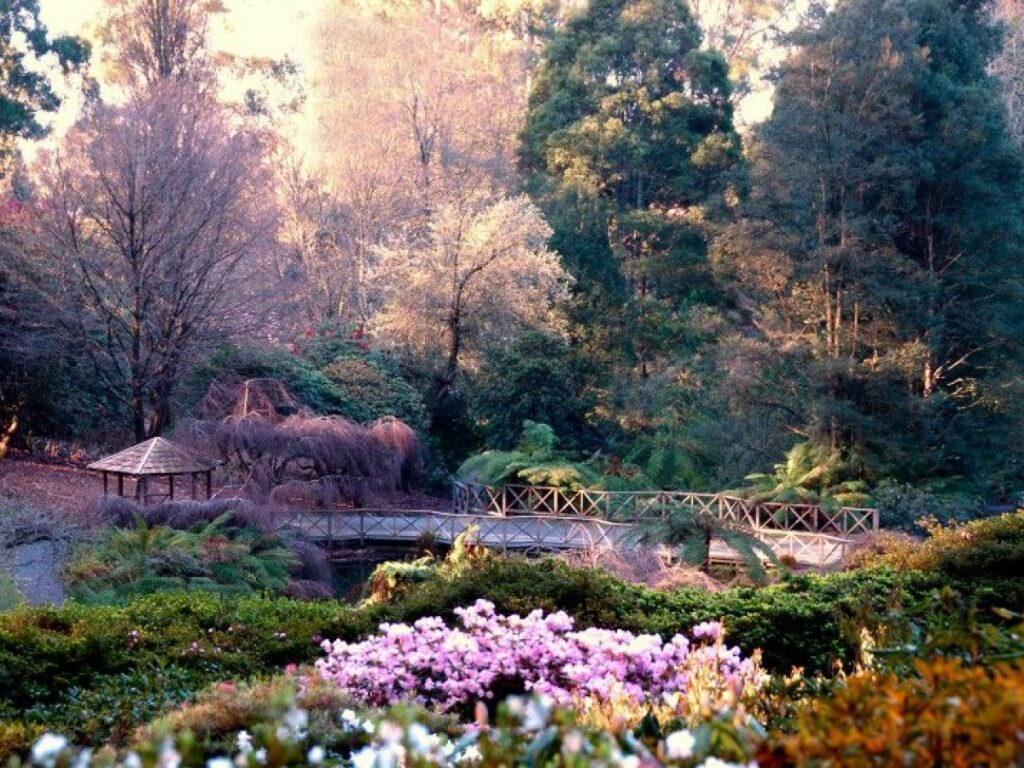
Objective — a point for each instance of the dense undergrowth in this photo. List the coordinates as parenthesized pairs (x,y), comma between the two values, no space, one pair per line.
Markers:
(97,672)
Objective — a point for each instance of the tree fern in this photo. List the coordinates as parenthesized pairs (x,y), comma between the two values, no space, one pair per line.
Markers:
(691,532)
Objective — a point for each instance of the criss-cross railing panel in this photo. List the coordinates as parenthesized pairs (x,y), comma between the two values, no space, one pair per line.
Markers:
(632,506)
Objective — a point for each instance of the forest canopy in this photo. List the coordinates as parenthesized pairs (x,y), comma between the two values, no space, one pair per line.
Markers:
(770,246)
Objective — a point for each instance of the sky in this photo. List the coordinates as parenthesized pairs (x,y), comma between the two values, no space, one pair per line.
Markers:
(250,28)
(266,28)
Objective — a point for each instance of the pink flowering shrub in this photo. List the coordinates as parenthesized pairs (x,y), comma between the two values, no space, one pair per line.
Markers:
(491,656)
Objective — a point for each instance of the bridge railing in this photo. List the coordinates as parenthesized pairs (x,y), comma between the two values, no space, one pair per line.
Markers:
(632,506)
(334,527)
(522,533)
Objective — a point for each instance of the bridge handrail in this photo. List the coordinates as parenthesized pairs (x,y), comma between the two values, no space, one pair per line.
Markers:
(362,525)
(287,514)
(476,498)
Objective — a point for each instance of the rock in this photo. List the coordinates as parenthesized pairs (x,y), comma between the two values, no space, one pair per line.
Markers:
(35,569)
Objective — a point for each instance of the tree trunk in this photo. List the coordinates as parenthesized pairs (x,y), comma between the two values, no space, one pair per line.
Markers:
(451,368)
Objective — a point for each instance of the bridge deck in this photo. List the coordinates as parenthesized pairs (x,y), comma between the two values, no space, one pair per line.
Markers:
(548,533)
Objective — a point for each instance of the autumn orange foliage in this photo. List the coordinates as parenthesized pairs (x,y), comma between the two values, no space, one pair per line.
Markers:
(949,714)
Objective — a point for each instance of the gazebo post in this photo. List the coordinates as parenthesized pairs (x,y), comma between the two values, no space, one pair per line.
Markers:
(156,458)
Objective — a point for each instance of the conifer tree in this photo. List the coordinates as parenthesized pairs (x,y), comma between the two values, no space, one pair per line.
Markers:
(881,249)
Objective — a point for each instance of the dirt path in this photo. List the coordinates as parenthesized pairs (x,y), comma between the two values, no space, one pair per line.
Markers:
(63,488)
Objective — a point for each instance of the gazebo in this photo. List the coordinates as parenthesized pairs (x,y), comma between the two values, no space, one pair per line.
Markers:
(153,460)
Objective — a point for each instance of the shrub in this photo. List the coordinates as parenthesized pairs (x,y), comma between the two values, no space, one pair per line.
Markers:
(878,547)
(299,377)
(209,557)
(902,507)
(990,548)
(535,462)
(946,714)
(377,391)
(804,621)
(538,378)
(276,727)
(493,654)
(812,473)
(60,665)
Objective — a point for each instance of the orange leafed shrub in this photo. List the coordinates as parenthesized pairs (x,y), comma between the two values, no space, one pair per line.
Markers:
(950,715)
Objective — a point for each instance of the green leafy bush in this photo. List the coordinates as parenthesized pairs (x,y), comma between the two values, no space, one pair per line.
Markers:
(534,462)
(903,507)
(536,378)
(210,557)
(97,671)
(812,473)
(376,392)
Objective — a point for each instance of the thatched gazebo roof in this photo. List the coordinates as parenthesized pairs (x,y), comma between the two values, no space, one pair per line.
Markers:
(155,456)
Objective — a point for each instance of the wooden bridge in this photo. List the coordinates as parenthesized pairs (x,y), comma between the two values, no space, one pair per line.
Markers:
(633,506)
(531,519)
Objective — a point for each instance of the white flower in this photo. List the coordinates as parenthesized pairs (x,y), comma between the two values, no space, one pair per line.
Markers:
(82,759)
(717,762)
(391,733)
(629,761)
(470,754)
(316,755)
(132,760)
(422,740)
(261,756)
(219,762)
(391,756)
(514,706)
(369,727)
(243,742)
(364,758)
(169,757)
(538,711)
(679,745)
(296,720)
(47,749)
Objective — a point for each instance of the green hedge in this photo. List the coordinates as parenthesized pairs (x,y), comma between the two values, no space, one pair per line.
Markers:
(806,621)
(97,671)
